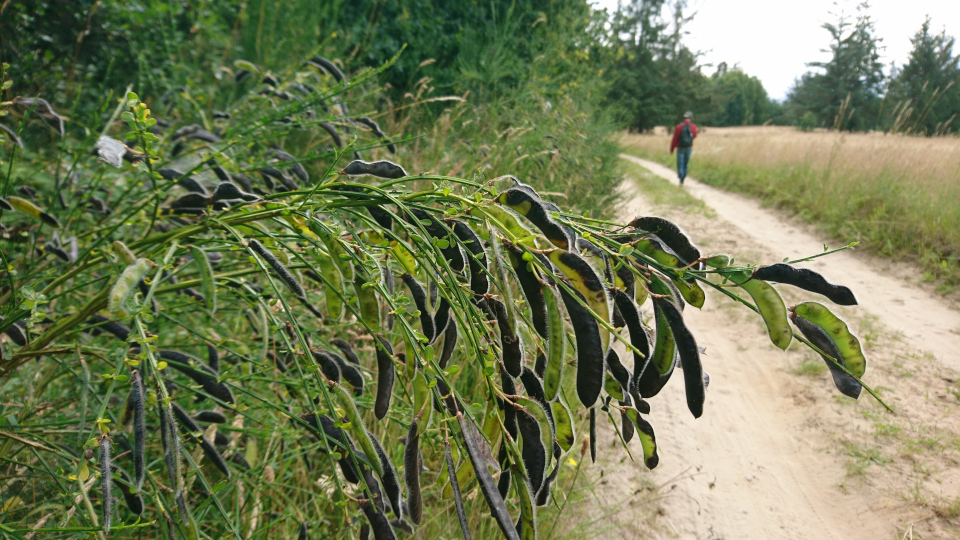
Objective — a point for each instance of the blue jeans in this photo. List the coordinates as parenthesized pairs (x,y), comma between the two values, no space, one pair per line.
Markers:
(683,158)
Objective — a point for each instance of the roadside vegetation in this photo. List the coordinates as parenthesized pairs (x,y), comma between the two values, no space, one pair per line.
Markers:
(891,193)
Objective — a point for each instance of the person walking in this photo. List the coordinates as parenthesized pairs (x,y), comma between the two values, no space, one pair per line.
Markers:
(683,136)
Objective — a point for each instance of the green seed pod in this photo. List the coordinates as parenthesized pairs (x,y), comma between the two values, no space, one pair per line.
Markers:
(126,284)
(527,525)
(556,345)
(847,385)
(32,210)
(847,344)
(771,306)
(124,252)
(721,260)
(647,439)
(654,248)
(106,478)
(663,358)
(359,427)
(563,422)
(691,292)
(369,304)
(206,277)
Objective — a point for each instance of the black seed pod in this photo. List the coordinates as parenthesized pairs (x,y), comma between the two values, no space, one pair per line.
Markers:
(689,356)
(117,329)
(476,256)
(672,235)
(210,417)
(391,484)
(510,343)
(412,463)
(328,67)
(16,334)
(532,289)
(593,435)
(455,486)
(106,478)
(208,448)
(133,500)
(477,448)
(381,169)
(437,230)
(807,280)
(533,453)
(386,373)
(420,299)
(536,210)
(349,372)
(347,350)
(139,428)
(202,375)
(279,269)
(449,343)
(620,373)
(590,352)
(333,134)
(323,426)
(213,358)
(329,366)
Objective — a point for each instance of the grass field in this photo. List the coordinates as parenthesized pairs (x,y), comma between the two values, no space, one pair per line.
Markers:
(899,196)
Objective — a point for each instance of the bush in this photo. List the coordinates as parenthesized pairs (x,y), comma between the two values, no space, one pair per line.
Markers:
(236,317)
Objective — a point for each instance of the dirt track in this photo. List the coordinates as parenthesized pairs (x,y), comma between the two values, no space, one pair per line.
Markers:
(773,454)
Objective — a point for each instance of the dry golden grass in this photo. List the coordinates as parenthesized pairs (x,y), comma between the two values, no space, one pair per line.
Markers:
(898,195)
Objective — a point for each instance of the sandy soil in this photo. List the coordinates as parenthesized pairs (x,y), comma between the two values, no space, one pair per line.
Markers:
(779,453)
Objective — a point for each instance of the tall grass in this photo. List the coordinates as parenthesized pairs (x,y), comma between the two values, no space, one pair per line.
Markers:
(898,195)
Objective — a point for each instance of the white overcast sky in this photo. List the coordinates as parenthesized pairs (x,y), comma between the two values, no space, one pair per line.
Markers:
(775,39)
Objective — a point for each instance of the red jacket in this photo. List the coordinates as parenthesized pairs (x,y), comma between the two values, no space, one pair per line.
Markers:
(676,134)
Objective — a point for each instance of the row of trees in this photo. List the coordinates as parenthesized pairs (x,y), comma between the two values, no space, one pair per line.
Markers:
(851,91)
(654,77)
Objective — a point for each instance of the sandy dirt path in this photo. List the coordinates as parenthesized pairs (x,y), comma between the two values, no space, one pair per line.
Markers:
(771,457)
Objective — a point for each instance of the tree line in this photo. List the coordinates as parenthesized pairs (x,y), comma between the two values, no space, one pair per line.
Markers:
(630,66)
